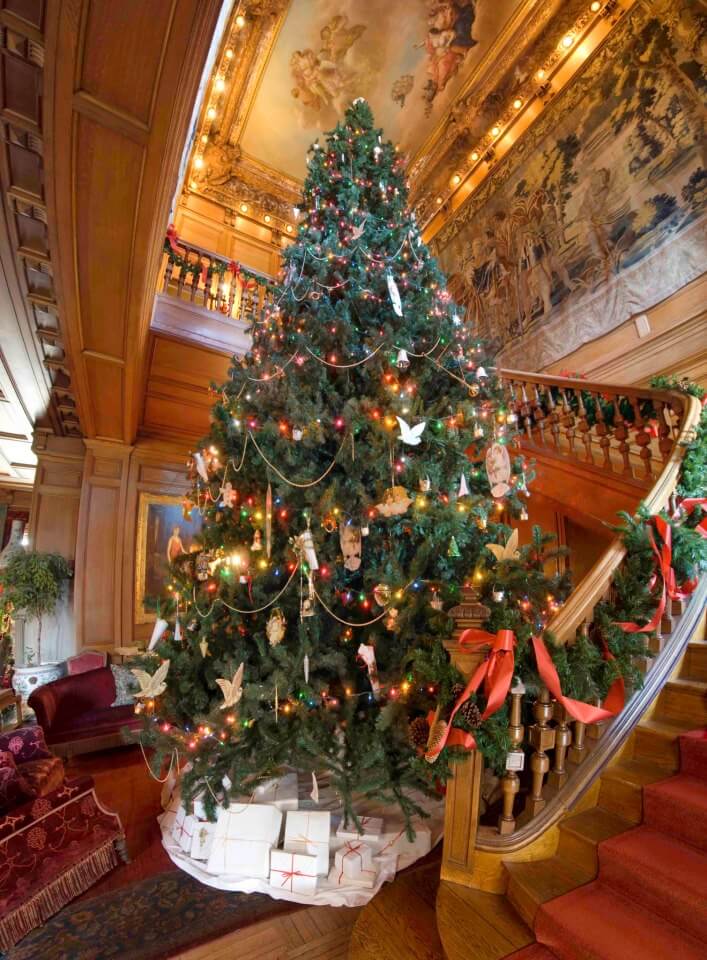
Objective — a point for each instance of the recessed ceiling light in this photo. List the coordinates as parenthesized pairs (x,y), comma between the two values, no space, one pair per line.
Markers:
(220,85)
(244,208)
(495,131)
(289,228)
(595,6)
(474,156)
(210,114)
(229,54)
(567,41)
(267,218)
(540,74)
(204,138)
(198,162)
(517,103)
(438,201)
(240,21)
(456,179)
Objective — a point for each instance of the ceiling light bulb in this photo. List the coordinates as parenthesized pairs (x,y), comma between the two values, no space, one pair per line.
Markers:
(211,113)
(240,21)
(220,85)
(596,6)
(267,218)
(438,201)
(567,41)
(540,74)
(517,103)
(495,131)
(198,162)
(289,228)
(192,184)
(229,54)
(244,208)
(474,156)
(204,138)
(456,179)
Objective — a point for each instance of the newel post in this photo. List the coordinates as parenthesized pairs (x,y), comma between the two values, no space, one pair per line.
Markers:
(461,815)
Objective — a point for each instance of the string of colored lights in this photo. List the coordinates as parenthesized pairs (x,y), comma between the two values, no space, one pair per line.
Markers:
(237,609)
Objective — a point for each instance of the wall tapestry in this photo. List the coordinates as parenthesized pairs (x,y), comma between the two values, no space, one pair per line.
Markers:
(596,214)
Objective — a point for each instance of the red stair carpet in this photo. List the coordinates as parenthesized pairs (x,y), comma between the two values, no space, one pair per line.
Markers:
(649,900)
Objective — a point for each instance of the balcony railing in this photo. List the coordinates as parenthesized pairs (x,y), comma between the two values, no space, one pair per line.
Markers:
(213,282)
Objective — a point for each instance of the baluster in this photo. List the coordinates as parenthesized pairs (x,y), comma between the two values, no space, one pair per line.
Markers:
(539,414)
(511,780)
(602,430)
(665,442)
(622,435)
(583,427)
(554,417)
(169,267)
(569,421)
(181,279)
(578,750)
(563,738)
(542,739)
(525,413)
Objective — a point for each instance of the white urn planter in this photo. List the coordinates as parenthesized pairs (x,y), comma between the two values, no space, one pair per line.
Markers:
(25,680)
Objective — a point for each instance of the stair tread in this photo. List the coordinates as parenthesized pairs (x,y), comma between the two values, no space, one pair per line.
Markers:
(671,729)
(665,858)
(596,824)
(638,772)
(688,685)
(597,922)
(546,879)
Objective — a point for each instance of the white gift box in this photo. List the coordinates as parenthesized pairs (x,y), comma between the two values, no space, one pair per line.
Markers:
(243,838)
(183,829)
(294,872)
(309,832)
(282,792)
(199,809)
(371,829)
(244,858)
(202,840)
(353,860)
(399,845)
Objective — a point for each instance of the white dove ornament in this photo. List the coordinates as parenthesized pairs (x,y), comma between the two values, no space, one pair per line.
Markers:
(411,435)
(394,294)
(201,467)
(151,686)
(509,552)
(232,690)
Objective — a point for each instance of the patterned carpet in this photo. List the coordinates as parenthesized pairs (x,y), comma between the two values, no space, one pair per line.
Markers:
(149,920)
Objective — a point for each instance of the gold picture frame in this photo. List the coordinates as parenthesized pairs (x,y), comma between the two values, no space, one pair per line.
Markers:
(157,517)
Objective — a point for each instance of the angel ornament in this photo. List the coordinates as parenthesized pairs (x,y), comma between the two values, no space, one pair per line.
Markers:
(228,495)
(350,539)
(151,685)
(232,690)
(498,469)
(276,627)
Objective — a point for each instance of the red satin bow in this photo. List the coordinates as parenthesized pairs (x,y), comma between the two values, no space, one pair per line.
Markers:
(236,270)
(172,238)
(496,673)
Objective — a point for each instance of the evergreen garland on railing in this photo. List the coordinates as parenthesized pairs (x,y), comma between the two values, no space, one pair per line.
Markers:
(216,266)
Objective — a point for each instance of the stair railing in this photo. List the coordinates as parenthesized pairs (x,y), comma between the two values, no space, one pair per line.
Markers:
(639,434)
(196,275)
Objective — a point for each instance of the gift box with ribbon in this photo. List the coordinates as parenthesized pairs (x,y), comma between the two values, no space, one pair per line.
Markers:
(282,792)
(183,829)
(294,872)
(371,829)
(309,833)
(244,835)
(202,840)
(353,863)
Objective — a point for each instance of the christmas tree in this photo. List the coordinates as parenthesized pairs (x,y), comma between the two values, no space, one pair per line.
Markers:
(356,468)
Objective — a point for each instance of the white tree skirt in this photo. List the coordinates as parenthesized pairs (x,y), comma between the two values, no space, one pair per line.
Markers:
(327,893)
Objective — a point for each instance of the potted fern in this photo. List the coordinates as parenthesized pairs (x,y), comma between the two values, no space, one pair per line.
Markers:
(34,583)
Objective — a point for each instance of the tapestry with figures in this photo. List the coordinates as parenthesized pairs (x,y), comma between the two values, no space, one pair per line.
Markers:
(598,213)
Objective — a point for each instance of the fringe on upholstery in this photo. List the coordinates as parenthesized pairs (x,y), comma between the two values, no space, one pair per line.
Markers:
(48,901)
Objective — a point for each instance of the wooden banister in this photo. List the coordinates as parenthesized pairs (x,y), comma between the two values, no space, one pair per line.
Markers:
(603,429)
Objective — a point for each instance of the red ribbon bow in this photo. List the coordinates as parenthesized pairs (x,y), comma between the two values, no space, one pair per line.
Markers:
(496,674)
(172,238)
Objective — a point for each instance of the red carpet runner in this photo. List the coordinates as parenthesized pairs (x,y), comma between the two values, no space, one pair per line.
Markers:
(649,900)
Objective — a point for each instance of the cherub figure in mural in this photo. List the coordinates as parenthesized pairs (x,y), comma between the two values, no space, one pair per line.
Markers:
(449,39)
(322,79)
(220,161)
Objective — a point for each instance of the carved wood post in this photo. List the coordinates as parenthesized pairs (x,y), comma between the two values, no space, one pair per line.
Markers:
(563,738)
(461,812)
(542,738)
(511,780)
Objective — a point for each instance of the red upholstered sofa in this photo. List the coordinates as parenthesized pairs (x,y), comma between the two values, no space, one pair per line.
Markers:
(77,715)
(56,840)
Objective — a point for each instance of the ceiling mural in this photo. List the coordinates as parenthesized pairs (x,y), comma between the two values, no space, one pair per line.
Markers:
(409,58)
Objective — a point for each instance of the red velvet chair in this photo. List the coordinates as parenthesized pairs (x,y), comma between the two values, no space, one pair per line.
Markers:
(77,715)
(86,660)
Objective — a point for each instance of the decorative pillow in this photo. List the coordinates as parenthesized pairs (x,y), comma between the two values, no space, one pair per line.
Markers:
(125,686)
(25,743)
(12,788)
(40,777)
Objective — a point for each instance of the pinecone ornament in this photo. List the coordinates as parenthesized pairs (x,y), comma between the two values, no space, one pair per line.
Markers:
(470,713)
(418,732)
(456,691)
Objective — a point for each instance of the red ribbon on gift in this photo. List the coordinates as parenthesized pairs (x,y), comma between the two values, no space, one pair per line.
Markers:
(496,674)
(291,874)
(172,238)
(350,847)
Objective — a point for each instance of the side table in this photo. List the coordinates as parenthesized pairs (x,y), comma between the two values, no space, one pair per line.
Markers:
(7,699)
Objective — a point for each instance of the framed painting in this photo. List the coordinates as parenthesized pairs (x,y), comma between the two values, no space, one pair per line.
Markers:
(163,534)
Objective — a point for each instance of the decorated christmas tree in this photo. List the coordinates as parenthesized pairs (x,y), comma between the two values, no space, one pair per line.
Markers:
(357,466)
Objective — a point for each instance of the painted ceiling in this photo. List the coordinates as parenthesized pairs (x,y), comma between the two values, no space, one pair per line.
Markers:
(408,58)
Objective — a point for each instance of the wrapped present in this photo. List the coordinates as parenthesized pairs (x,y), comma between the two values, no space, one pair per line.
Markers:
(354,863)
(202,840)
(398,844)
(242,858)
(294,872)
(242,839)
(183,829)
(371,829)
(199,809)
(309,833)
(282,792)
